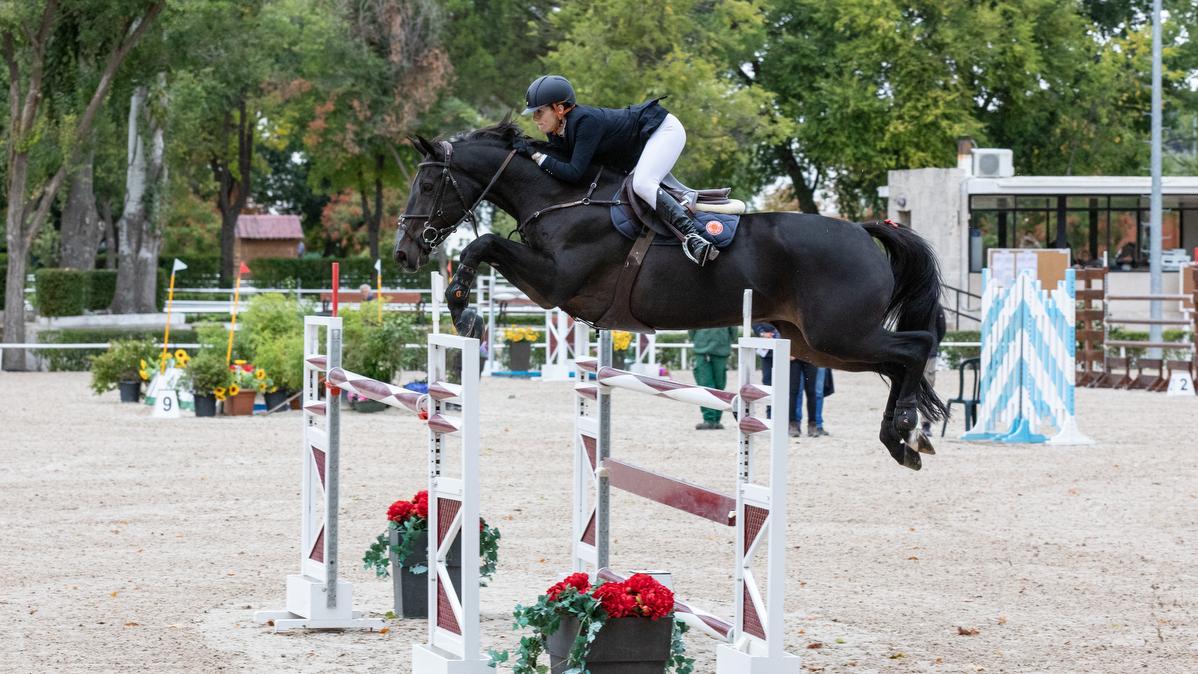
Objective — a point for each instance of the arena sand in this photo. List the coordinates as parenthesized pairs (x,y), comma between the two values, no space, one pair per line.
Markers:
(133,544)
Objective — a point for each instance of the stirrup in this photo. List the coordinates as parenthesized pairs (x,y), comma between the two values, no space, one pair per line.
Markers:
(707,249)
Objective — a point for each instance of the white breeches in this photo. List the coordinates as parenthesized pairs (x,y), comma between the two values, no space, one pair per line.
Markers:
(661,151)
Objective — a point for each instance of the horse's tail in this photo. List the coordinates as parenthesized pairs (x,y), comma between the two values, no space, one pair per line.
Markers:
(915,304)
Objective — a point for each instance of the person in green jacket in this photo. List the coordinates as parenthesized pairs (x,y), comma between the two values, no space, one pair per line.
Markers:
(712,348)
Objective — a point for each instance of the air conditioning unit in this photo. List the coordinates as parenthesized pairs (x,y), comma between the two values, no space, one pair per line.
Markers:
(992,163)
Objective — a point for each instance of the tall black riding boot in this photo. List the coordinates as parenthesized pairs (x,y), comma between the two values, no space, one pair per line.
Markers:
(698,249)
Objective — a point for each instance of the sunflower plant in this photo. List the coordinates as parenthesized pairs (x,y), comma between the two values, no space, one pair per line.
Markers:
(206,374)
(125,360)
(621,340)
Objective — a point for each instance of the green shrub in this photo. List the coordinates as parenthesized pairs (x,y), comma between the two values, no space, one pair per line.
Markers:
(206,372)
(268,318)
(125,360)
(60,292)
(80,360)
(101,286)
(953,355)
(283,360)
(377,351)
(282,272)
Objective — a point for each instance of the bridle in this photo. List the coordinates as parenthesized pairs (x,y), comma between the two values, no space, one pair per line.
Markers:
(430,236)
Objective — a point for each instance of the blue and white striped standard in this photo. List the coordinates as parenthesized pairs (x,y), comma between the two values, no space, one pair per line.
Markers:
(1028,363)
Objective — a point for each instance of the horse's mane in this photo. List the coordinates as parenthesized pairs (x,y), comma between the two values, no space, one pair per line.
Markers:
(501,134)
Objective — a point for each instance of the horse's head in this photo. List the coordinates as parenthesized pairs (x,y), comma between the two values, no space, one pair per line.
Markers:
(436,205)
(445,191)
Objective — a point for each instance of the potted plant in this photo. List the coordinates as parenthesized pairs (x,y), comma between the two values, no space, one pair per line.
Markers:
(602,629)
(518,342)
(620,341)
(376,349)
(125,365)
(283,360)
(403,551)
(206,376)
(243,389)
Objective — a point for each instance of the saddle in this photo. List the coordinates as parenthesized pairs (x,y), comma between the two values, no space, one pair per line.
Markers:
(716,212)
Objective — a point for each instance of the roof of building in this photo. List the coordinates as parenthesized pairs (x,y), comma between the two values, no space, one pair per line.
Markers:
(1127,185)
(269,227)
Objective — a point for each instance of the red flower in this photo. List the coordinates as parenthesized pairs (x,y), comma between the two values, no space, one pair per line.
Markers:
(615,599)
(579,581)
(420,502)
(247,367)
(653,599)
(400,511)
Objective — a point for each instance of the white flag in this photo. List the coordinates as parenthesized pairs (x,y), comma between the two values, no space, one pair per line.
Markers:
(378,265)
(179,266)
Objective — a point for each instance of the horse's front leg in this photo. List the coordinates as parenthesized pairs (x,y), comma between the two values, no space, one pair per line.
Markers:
(527,268)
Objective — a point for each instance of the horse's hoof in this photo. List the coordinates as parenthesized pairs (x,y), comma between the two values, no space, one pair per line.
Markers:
(469,324)
(920,442)
(899,450)
(905,419)
(905,456)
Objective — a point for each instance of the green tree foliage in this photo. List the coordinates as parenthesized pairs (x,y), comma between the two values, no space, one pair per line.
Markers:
(616,53)
(876,85)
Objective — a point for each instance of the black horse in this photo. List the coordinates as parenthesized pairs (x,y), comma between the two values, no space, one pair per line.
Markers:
(826,284)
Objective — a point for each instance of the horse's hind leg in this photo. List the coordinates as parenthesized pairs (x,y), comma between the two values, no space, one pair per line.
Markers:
(900,356)
(894,441)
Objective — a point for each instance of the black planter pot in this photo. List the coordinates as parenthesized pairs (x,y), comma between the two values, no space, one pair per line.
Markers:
(130,391)
(619,360)
(205,406)
(622,646)
(275,399)
(411,589)
(368,406)
(519,356)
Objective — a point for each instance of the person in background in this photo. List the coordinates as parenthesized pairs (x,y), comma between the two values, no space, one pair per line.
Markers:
(767,374)
(810,380)
(712,348)
(367,292)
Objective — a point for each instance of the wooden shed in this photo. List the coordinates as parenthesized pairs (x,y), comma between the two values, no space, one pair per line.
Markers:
(267,236)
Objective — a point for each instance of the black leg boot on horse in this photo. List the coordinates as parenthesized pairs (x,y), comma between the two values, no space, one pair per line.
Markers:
(699,250)
(457,296)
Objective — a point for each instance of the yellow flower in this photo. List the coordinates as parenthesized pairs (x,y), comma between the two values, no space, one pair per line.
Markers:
(260,374)
(239,362)
(143,364)
(181,355)
(273,389)
(145,376)
(261,387)
(220,394)
(620,340)
(234,389)
(219,390)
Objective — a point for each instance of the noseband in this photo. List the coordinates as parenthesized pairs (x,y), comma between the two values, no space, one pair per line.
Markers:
(430,236)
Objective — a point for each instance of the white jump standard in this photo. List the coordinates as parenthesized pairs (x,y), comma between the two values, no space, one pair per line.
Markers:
(316,597)
(753,642)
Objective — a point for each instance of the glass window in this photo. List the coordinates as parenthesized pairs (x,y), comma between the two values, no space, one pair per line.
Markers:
(1077,231)
(1103,235)
(1086,202)
(1125,202)
(1032,202)
(1031,229)
(1123,239)
(987,221)
(983,202)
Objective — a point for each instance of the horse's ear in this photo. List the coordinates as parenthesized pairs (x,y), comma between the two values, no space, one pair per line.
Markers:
(422,146)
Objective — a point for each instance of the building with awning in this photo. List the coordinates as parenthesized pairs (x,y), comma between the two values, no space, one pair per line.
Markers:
(1101,220)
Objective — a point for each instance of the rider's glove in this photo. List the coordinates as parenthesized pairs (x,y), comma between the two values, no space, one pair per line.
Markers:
(523,147)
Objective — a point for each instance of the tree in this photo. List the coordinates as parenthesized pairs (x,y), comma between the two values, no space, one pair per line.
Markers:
(26,31)
(616,54)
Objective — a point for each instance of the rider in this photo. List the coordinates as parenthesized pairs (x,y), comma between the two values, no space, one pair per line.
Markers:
(644,138)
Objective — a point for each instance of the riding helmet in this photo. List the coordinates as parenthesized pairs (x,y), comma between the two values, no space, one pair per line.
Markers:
(548,89)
